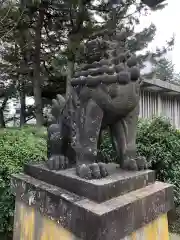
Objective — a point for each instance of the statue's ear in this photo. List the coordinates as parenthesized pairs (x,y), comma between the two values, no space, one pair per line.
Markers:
(152,3)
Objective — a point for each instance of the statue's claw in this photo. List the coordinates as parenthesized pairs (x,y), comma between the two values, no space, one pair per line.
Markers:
(92,171)
(139,163)
(57,162)
(130,164)
(103,169)
(84,171)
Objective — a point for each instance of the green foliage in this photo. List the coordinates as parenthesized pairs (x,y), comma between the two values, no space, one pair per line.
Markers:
(106,148)
(17,146)
(159,142)
(164,70)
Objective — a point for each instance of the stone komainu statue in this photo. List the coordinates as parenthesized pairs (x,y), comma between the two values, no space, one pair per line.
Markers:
(105,93)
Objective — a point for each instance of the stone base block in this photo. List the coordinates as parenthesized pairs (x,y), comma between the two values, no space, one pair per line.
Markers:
(117,183)
(136,210)
(30,224)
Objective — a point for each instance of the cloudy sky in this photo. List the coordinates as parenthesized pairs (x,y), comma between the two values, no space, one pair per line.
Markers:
(166,22)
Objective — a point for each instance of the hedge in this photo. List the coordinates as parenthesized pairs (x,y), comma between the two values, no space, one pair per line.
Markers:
(17,146)
(159,142)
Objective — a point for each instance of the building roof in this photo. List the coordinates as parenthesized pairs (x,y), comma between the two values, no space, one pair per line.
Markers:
(157,85)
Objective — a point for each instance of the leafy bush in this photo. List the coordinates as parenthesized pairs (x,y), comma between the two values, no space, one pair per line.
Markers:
(17,146)
(106,148)
(159,142)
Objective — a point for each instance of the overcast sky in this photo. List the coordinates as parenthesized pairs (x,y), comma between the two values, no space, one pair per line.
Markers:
(167,23)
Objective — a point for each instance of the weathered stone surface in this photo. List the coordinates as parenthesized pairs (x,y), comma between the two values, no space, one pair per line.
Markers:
(88,220)
(117,183)
(32,225)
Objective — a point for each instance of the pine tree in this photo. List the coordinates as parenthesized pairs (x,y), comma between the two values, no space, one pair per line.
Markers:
(163,70)
(42,41)
(176,78)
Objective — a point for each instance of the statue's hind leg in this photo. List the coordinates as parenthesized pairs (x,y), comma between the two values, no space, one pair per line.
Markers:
(119,132)
(124,142)
(88,129)
(131,152)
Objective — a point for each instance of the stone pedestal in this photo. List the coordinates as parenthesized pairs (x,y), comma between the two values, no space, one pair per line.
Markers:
(59,205)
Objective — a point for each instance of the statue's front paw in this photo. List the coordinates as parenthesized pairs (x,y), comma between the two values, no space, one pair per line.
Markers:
(141,163)
(130,165)
(92,171)
(137,164)
(57,162)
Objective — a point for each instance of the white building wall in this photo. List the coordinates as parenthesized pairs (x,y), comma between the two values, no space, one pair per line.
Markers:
(154,104)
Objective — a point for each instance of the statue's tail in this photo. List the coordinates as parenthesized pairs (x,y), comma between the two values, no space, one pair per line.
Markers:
(58,106)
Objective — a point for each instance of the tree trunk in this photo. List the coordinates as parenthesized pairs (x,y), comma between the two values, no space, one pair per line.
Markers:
(23,42)
(37,69)
(74,39)
(70,66)
(2,121)
(23,104)
(8,93)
